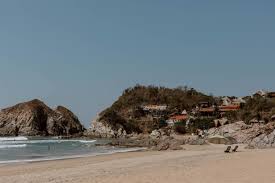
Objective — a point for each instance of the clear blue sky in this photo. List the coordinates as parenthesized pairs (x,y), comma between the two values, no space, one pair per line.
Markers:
(84,53)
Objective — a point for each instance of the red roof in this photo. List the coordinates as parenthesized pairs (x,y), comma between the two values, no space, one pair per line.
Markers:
(208,109)
(179,117)
(229,108)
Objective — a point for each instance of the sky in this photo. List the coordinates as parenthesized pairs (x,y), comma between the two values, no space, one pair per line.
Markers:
(83,53)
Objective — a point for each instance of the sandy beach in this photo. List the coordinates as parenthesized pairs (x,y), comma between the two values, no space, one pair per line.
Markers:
(195,164)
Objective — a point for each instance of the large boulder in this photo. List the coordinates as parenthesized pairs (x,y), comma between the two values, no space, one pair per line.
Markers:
(156,134)
(168,143)
(138,141)
(221,140)
(35,118)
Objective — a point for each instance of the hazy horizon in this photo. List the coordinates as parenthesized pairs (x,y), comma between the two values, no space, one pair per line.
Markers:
(83,54)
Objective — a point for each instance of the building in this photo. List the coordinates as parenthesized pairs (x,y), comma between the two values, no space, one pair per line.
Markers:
(206,109)
(238,101)
(271,94)
(229,108)
(230,104)
(177,118)
(227,101)
(261,93)
(154,107)
(184,112)
(204,105)
(155,111)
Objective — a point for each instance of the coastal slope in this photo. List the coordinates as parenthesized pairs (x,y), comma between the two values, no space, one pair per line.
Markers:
(127,115)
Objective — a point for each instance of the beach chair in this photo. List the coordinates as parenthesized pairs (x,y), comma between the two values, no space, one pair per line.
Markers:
(235,149)
(228,149)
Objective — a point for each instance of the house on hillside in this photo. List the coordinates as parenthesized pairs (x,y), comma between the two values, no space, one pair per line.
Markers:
(184,112)
(206,109)
(228,101)
(204,104)
(229,108)
(271,94)
(230,104)
(156,111)
(177,118)
(154,107)
(260,93)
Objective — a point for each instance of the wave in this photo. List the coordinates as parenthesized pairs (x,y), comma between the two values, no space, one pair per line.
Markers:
(13,146)
(73,156)
(13,138)
(87,141)
(46,141)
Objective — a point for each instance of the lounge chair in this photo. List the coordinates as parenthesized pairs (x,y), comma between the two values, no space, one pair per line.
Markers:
(235,149)
(228,149)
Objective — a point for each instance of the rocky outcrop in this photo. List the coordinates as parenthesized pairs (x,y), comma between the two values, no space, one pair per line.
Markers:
(256,136)
(35,118)
(168,143)
(101,129)
(239,131)
(161,144)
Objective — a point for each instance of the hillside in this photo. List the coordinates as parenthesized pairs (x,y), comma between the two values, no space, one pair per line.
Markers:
(142,109)
(127,114)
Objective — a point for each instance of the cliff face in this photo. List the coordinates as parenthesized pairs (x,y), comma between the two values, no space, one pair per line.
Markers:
(35,118)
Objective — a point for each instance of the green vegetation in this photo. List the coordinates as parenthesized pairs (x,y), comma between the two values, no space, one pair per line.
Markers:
(256,108)
(162,123)
(200,123)
(126,110)
(177,99)
(180,127)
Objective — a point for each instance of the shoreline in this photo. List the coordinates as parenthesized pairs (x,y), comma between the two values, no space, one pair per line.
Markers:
(195,164)
(23,161)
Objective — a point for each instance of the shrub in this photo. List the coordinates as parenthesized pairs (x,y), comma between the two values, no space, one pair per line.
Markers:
(162,123)
(180,127)
(201,123)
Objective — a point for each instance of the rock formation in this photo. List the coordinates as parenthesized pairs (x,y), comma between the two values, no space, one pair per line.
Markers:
(102,129)
(34,118)
(256,136)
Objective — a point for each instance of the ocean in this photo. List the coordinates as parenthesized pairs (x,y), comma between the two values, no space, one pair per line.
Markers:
(30,149)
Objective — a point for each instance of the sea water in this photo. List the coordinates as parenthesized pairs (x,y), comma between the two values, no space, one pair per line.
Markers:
(29,149)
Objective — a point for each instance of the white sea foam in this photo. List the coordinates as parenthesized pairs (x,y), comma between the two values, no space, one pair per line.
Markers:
(73,156)
(87,141)
(13,138)
(13,146)
(46,141)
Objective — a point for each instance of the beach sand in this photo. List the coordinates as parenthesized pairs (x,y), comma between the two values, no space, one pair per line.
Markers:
(195,164)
